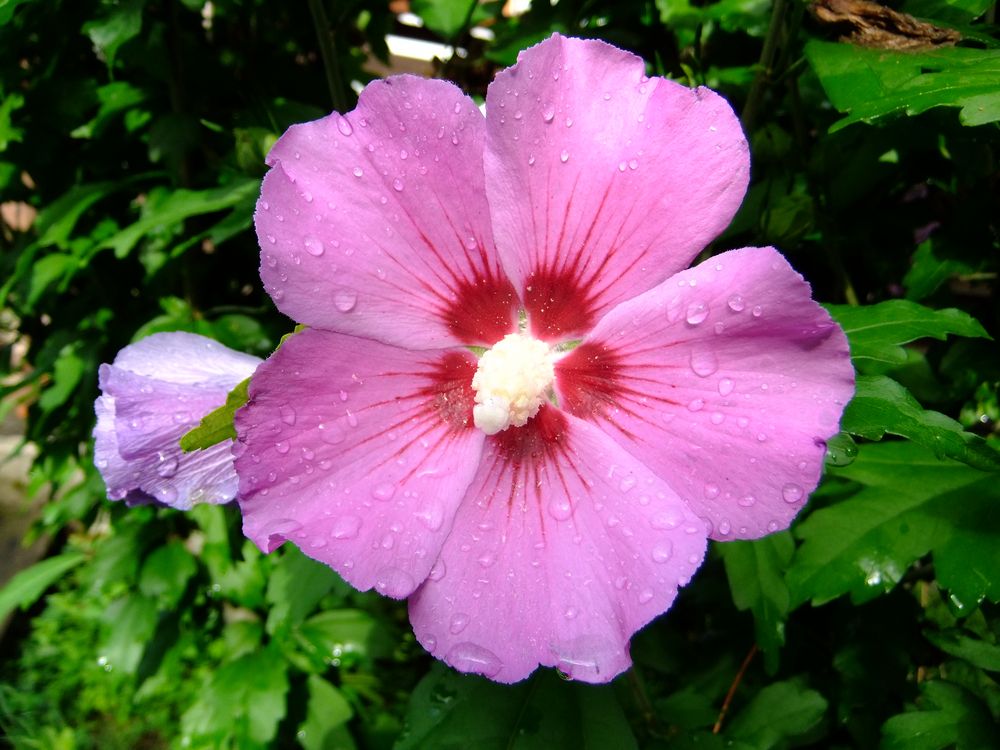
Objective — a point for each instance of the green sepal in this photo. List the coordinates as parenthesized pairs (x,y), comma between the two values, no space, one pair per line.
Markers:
(217,425)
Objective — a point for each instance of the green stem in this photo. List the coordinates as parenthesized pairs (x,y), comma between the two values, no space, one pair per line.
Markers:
(327,51)
(765,66)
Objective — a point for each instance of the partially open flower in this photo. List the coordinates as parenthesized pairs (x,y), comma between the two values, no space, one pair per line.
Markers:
(545,500)
(156,390)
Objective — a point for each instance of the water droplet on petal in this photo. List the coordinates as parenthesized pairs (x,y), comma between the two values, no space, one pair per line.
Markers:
(725,387)
(468,657)
(662,552)
(570,613)
(166,494)
(704,363)
(358,171)
(487,559)
(747,501)
(627,483)
(384,491)
(431,516)
(645,596)
(281,446)
(287,414)
(725,527)
(346,527)
(167,466)
(792,493)
(666,519)
(736,303)
(560,508)
(397,185)
(459,621)
(757,311)
(314,246)
(564,156)
(438,569)
(696,313)
(344,126)
(711,491)
(345,299)
(394,582)
(549,114)
(696,405)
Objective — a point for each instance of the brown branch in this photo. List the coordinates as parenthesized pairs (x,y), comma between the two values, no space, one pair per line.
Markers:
(732,688)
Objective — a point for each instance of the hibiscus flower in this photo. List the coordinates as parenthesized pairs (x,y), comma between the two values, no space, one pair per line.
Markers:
(512,404)
(156,390)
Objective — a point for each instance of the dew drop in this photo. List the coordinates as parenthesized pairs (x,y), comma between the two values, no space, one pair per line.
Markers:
(717,417)
(633,164)
(358,171)
(666,519)
(394,582)
(281,446)
(388,541)
(622,166)
(459,621)
(468,657)
(736,303)
(711,491)
(747,501)
(167,466)
(757,311)
(696,313)
(438,569)
(627,483)
(570,613)
(487,559)
(704,363)
(431,516)
(696,405)
(287,414)
(344,126)
(352,420)
(564,156)
(346,527)
(314,246)
(384,491)
(725,527)
(560,508)
(397,185)
(725,387)
(330,434)
(345,299)
(166,494)
(646,595)
(792,493)
(549,114)
(662,552)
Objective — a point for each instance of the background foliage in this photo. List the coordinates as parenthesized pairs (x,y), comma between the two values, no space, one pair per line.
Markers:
(137,129)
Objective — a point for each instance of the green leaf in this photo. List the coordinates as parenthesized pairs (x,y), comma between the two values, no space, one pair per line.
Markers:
(867,84)
(129,622)
(451,711)
(217,425)
(975,651)
(294,588)
(115,98)
(178,206)
(241,705)
(8,133)
(907,506)
(327,713)
(111,32)
(877,332)
(929,269)
(947,716)
(444,17)
(343,635)
(25,587)
(67,371)
(781,712)
(881,405)
(7,8)
(756,572)
(166,572)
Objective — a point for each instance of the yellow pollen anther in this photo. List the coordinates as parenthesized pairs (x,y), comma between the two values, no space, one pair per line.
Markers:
(512,382)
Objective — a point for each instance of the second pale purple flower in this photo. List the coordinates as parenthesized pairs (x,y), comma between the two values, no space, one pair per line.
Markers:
(540,503)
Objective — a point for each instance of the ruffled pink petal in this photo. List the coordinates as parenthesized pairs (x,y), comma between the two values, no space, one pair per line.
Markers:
(726,380)
(358,452)
(564,546)
(375,223)
(156,390)
(601,182)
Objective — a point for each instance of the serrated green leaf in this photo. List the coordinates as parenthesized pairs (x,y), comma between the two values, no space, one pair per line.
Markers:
(948,716)
(327,713)
(877,332)
(450,711)
(910,504)
(756,572)
(867,84)
(241,705)
(217,425)
(975,651)
(881,405)
(25,587)
(777,714)
(166,572)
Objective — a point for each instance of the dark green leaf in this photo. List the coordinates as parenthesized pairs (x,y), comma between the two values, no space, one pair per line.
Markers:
(947,716)
(328,711)
(781,712)
(877,332)
(241,705)
(444,17)
(112,31)
(294,588)
(450,711)
(870,83)
(881,405)
(975,651)
(25,587)
(129,622)
(756,572)
(217,425)
(166,572)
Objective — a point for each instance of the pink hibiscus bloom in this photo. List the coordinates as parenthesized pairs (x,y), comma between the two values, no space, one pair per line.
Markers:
(540,503)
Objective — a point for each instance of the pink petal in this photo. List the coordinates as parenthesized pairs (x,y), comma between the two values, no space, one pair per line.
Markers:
(726,380)
(358,452)
(601,182)
(156,390)
(375,223)
(564,546)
